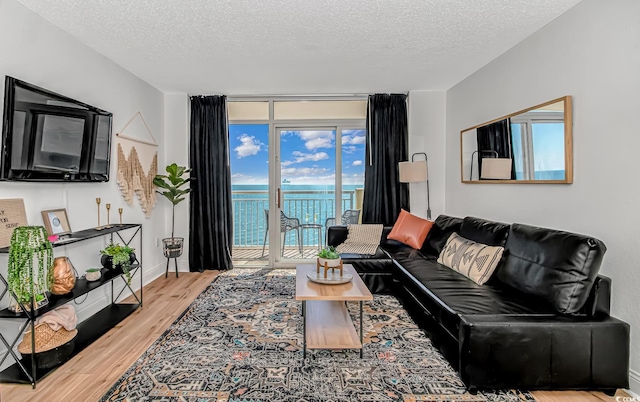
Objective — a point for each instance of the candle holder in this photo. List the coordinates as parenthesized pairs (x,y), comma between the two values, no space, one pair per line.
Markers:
(98,203)
(108,225)
(120,212)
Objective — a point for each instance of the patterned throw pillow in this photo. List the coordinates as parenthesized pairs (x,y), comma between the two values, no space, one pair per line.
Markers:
(476,261)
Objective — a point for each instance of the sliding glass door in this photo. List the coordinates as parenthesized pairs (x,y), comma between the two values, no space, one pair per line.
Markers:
(297,166)
(320,171)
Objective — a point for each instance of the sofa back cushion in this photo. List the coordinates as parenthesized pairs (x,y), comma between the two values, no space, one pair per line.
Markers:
(555,265)
(442,228)
(483,231)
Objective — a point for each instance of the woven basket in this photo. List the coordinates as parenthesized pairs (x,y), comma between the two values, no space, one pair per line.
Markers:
(45,338)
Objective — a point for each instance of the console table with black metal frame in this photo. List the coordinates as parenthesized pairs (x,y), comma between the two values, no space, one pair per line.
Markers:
(25,370)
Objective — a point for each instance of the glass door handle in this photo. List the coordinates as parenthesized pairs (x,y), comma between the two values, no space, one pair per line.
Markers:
(278,198)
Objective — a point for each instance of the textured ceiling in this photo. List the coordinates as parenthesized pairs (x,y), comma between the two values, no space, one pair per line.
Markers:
(300,46)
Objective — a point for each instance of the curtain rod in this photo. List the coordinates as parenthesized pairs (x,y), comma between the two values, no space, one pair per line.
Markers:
(301,96)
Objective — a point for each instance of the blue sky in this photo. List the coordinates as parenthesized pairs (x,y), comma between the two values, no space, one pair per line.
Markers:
(308,157)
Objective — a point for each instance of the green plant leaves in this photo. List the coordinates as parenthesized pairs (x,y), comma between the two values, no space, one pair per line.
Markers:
(329,253)
(173,183)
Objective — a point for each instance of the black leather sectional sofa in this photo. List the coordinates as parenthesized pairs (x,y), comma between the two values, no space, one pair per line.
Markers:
(541,322)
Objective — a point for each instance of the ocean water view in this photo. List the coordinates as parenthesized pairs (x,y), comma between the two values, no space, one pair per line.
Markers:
(310,204)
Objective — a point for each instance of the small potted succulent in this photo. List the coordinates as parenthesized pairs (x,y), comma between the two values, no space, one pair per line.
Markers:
(330,256)
(116,255)
(93,274)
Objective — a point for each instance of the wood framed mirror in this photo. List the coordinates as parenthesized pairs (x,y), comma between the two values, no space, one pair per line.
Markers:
(533,145)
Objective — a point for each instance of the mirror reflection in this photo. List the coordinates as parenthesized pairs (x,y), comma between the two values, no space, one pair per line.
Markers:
(530,146)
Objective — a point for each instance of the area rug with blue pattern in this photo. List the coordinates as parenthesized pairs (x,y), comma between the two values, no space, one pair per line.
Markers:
(241,341)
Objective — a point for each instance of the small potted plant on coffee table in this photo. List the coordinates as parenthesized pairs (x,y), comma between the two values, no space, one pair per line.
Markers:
(329,258)
(116,255)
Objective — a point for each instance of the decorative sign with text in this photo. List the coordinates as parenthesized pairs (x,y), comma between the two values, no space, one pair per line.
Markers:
(12,215)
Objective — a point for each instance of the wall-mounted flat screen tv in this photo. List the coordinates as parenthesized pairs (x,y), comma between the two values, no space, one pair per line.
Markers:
(49,137)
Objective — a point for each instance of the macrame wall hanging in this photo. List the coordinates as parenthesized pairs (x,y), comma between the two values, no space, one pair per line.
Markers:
(132,177)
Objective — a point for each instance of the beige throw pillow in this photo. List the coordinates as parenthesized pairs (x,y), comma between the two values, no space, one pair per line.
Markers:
(476,261)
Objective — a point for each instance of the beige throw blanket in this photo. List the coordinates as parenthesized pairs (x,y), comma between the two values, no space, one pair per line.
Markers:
(361,239)
(63,316)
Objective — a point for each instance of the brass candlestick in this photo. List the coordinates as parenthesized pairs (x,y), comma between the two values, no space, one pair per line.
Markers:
(108,220)
(120,212)
(98,202)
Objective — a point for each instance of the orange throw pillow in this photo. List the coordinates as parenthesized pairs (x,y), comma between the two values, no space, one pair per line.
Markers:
(410,229)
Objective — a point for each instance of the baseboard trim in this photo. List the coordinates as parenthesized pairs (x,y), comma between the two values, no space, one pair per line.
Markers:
(634,384)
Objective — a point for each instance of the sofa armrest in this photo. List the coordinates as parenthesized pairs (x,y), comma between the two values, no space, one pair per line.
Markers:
(598,303)
(336,235)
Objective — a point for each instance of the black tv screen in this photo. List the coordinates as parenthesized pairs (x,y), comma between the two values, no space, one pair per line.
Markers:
(49,137)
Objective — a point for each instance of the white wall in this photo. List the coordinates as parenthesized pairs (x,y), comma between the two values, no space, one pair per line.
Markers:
(176,121)
(592,53)
(427,134)
(35,51)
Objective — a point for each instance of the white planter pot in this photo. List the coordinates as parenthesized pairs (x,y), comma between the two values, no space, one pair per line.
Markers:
(331,263)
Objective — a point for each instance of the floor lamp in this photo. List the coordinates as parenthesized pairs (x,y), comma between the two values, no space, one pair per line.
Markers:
(493,168)
(416,171)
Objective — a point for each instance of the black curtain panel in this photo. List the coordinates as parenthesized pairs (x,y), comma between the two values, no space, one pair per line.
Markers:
(495,137)
(210,219)
(387,144)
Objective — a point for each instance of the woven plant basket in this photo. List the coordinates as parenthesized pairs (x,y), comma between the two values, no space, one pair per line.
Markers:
(45,339)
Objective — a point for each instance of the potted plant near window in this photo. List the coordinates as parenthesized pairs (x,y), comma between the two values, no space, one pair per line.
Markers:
(30,257)
(116,255)
(172,188)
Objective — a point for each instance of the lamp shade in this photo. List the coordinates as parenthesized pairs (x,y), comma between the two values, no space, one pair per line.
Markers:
(411,172)
(496,168)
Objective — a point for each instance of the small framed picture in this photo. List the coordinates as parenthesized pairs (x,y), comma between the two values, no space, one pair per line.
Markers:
(56,221)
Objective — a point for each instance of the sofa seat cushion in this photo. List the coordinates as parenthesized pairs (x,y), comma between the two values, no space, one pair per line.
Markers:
(364,263)
(404,252)
(448,294)
(557,266)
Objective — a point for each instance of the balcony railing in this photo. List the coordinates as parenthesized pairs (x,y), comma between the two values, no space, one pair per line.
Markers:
(310,207)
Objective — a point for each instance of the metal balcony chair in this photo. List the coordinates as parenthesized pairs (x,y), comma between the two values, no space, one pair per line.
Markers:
(350,216)
(286,225)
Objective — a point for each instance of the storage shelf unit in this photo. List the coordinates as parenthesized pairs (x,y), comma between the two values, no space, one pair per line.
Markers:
(24,370)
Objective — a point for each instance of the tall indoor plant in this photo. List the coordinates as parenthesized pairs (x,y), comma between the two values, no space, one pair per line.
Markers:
(172,188)
(30,258)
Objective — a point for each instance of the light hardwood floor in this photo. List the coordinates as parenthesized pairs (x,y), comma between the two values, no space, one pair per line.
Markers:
(92,372)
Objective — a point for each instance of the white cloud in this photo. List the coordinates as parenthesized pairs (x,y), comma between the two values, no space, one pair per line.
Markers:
(250,146)
(302,157)
(316,143)
(353,139)
(357,163)
(305,171)
(314,139)
(349,149)
(239,178)
(357,178)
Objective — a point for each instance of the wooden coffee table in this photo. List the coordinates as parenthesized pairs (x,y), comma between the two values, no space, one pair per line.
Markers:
(326,320)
